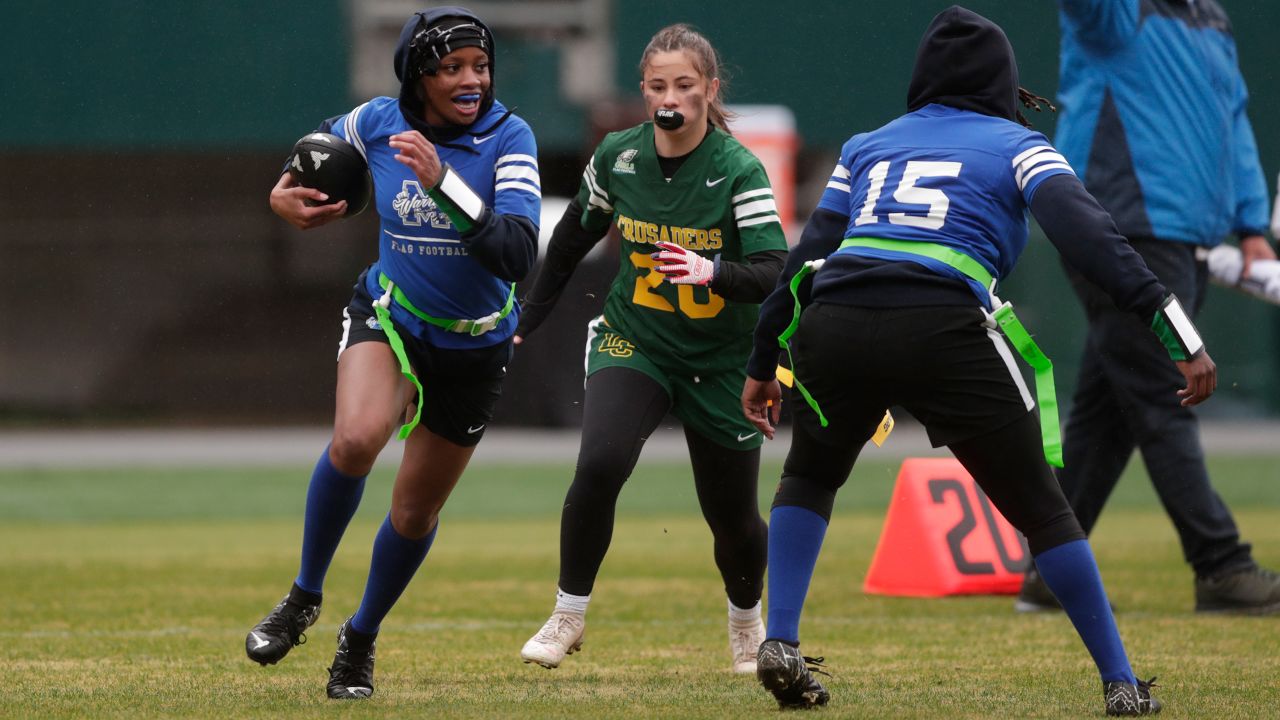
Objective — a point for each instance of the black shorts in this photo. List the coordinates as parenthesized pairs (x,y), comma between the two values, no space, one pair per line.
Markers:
(947,366)
(460,388)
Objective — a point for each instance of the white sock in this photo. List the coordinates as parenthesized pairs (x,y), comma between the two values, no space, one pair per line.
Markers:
(740,616)
(576,604)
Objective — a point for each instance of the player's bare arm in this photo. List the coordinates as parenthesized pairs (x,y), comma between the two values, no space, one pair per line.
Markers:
(289,201)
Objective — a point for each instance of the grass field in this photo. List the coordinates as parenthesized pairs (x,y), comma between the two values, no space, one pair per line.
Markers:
(128,594)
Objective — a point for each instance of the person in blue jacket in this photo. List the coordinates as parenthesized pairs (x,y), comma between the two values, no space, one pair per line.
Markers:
(427,335)
(1153,120)
(918,221)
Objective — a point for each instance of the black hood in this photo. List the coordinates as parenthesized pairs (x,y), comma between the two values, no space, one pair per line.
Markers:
(411,106)
(965,61)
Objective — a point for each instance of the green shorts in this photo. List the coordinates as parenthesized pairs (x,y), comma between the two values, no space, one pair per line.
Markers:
(710,405)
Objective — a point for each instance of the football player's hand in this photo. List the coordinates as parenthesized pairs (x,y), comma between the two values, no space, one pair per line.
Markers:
(762,404)
(289,200)
(1254,247)
(1202,378)
(420,155)
(683,267)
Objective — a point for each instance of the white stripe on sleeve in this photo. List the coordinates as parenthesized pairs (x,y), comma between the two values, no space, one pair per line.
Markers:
(758,220)
(755,208)
(353,134)
(514,185)
(750,194)
(1017,160)
(518,172)
(1022,185)
(1035,160)
(505,159)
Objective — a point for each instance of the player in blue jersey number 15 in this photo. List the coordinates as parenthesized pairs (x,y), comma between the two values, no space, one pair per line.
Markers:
(919,220)
(427,335)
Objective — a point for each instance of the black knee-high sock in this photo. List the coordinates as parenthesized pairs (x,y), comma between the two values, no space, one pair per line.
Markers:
(726,482)
(622,408)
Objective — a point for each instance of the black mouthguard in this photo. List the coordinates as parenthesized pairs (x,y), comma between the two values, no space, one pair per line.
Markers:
(668,119)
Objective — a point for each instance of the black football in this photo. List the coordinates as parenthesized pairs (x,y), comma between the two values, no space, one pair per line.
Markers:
(334,167)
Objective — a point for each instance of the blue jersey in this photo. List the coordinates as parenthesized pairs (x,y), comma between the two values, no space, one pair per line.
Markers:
(947,176)
(418,247)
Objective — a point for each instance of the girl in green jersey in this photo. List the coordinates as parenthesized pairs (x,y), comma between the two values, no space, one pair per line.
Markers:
(701,246)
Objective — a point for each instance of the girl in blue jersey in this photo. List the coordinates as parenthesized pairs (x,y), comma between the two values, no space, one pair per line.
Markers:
(918,221)
(427,335)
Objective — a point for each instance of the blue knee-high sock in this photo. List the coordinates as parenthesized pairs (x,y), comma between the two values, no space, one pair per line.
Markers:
(332,499)
(1072,574)
(395,559)
(795,537)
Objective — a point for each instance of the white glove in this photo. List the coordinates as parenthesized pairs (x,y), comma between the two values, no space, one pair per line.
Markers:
(1263,280)
(683,267)
(1226,264)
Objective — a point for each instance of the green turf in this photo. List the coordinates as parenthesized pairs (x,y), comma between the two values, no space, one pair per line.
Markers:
(486,491)
(127,594)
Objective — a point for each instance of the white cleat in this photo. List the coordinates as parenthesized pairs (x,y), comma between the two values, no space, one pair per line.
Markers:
(744,643)
(561,635)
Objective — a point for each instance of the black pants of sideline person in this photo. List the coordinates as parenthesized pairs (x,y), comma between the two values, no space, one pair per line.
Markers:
(1126,399)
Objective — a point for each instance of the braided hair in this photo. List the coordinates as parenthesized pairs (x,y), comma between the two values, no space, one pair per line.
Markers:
(1031,101)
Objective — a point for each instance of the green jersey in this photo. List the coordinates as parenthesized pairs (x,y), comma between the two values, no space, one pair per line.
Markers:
(719,203)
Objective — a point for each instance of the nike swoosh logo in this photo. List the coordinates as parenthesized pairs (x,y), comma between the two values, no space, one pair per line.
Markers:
(261,643)
(483,140)
(713,183)
(474,430)
(748,436)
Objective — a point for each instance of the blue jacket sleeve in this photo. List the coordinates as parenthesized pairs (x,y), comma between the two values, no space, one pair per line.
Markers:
(821,237)
(1101,23)
(1088,241)
(1250,217)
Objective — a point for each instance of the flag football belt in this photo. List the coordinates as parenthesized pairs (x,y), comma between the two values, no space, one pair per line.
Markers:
(1046,393)
(382,309)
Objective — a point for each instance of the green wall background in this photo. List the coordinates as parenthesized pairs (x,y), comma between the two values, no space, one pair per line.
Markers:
(200,76)
(190,75)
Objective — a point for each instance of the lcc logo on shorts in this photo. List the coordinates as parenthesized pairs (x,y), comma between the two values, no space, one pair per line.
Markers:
(616,346)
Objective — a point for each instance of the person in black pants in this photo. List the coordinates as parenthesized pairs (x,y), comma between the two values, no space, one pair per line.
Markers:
(919,221)
(1123,63)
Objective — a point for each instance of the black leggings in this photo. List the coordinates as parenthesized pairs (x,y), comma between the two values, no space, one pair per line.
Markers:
(1008,464)
(623,407)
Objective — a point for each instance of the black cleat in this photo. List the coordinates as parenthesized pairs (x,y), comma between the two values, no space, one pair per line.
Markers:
(283,628)
(351,675)
(787,674)
(1247,591)
(1131,700)
(1035,595)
